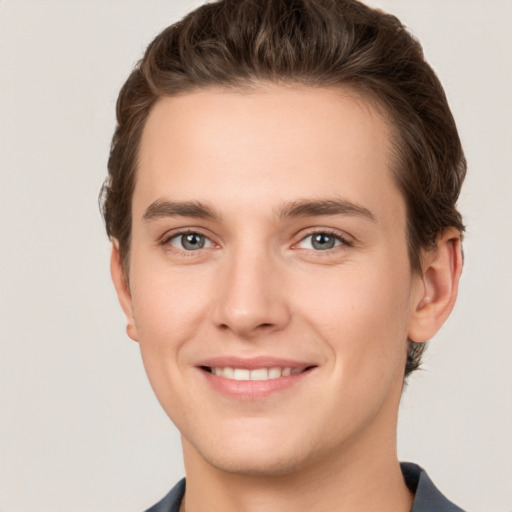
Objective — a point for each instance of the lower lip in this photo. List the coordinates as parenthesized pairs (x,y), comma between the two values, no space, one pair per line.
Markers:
(253,389)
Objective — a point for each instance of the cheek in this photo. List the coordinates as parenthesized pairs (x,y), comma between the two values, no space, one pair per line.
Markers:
(169,308)
(363,317)
(167,313)
(167,302)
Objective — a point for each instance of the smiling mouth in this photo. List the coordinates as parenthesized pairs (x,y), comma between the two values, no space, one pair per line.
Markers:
(260,374)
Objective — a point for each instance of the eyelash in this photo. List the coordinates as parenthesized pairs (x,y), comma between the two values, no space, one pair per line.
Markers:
(166,241)
(343,242)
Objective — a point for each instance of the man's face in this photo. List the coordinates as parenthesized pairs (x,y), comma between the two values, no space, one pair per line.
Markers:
(269,244)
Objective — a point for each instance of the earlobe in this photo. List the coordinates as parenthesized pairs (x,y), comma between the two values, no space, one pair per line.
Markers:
(122,289)
(439,286)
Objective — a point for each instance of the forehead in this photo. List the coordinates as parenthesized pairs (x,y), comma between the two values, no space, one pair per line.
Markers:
(268,145)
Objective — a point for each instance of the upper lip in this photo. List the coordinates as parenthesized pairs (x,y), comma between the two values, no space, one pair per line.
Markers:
(251,363)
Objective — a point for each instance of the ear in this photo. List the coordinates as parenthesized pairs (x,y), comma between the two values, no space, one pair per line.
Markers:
(439,282)
(122,289)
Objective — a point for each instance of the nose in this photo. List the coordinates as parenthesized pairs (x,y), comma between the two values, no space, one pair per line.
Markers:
(252,297)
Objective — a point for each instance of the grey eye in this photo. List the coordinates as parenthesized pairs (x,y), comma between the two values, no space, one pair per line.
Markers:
(322,241)
(190,241)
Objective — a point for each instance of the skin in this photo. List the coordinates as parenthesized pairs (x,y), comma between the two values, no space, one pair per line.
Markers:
(259,287)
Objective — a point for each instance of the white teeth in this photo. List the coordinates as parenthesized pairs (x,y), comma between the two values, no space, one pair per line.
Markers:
(259,374)
(241,374)
(274,373)
(227,372)
(256,374)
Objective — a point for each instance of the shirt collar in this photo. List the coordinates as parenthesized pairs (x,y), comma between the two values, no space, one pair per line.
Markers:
(427,498)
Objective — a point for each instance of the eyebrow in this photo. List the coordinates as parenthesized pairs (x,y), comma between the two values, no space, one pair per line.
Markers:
(301,208)
(311,208)
(160,209)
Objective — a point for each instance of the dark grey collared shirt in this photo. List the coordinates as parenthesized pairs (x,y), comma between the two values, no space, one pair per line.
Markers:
(426,496)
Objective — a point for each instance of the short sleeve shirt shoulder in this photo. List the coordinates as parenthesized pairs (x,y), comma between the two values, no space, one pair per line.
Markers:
(427,497)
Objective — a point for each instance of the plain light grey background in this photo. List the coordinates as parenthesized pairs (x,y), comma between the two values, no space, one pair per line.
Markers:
(80,429)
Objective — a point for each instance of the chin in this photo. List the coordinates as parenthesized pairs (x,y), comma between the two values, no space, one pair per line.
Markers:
(257,455)
(267,464)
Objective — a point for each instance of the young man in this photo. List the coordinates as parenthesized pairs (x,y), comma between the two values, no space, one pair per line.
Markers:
(281,201)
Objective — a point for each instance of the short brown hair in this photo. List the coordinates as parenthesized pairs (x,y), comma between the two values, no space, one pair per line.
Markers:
(317,43)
